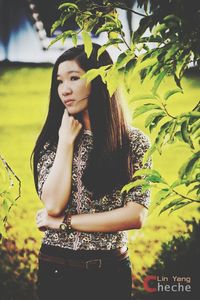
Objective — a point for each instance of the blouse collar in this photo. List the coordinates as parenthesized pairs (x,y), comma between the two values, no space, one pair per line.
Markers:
(87,131)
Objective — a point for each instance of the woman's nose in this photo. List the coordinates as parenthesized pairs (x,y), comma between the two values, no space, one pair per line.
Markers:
(66,90)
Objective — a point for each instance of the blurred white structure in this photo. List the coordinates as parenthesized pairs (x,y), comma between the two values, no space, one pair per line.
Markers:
(23,37)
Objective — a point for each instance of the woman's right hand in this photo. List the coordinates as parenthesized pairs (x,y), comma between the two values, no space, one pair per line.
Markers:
(70,128)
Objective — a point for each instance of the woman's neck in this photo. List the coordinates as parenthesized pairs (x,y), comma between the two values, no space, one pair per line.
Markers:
(86,120)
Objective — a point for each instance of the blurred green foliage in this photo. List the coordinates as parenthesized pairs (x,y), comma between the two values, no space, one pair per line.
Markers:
(178,257)
(18,269)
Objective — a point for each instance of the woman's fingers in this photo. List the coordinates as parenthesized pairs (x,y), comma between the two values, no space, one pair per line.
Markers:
(41,224)
(70,127)
(40,219)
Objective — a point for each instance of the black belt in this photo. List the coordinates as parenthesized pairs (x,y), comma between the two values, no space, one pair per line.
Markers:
(97,263)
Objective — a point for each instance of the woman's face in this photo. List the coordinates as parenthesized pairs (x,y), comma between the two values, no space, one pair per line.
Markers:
(72,90)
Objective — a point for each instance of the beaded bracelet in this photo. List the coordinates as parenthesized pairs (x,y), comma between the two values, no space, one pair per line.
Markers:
(67,220)
(66,223)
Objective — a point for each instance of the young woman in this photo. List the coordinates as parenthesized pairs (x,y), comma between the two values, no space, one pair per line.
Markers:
(84,155)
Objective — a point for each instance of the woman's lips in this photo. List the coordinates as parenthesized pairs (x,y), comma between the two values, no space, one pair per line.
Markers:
(69,102)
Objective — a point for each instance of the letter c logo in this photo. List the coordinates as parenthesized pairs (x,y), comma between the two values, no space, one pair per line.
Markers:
(146,283)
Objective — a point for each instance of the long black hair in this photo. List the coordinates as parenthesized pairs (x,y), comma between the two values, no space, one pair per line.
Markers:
(109,165)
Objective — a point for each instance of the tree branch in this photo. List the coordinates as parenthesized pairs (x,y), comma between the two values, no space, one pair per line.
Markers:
(131,10)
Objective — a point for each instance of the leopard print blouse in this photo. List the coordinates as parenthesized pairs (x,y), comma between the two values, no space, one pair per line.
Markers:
(81,199)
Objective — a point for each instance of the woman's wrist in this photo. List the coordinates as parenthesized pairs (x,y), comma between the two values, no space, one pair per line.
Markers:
(66,223)
(57,222)
(74,222)
(65,142)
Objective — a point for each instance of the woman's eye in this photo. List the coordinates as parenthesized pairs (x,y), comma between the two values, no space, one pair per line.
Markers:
(59,81)
(73,78)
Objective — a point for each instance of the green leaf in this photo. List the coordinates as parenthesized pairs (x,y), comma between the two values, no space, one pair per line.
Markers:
(123,59)
(145,171)
(170,93)
(102,49)
(169,205)
(154,179)
(55,25)
(148,153)
(87,42)
(159,28)
(158,81)
(110,43)
(145,187)
(143,97)
(172,130)
(74,39)
(185,134)
(5,206)
(143,64)
(145,108)
(131,185)
(195,127)
(144,23)
(154,118)
(106,27)
(188,168)
(150,175)
(155,122)
(178,81)
(68,5)
(62,37)
(178,136)
(151,39)
(127,75)
(89,23)
(91,74)
(177,182)
(196,187)
(112,80)
(195,114)
(160,139)
(182,63)
(59,37)
(172,18)
(170,54)
(179,205)
(65,17)
(162,194)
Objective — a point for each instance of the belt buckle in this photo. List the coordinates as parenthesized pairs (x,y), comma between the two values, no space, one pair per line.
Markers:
(93,264)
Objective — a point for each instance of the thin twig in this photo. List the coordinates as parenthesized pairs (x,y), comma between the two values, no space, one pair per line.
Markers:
(131,10)
(185,197)
(9,172)
(125,42)
(165,109)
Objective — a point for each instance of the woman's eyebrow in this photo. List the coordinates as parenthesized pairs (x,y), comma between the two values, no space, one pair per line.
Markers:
(69,72)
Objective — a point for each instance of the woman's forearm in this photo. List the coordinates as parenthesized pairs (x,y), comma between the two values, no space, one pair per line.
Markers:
(129,217)
(57,187)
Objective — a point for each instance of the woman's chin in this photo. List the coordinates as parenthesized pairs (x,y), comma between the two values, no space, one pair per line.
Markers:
(72,112)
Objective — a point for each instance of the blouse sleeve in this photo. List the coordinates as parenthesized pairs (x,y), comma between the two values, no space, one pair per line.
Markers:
(44,166)
(139,143)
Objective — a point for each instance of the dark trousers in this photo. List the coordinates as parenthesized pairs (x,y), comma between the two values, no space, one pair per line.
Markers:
(56,281)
